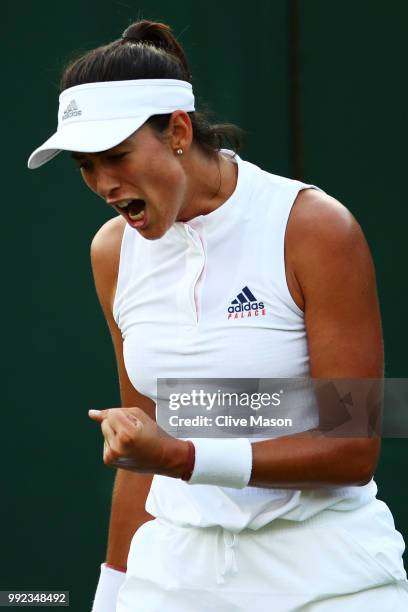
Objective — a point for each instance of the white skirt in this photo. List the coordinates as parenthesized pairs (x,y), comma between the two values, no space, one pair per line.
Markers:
(336,561)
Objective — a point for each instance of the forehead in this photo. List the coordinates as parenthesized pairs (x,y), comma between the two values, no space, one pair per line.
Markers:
(79,155)
(131,141)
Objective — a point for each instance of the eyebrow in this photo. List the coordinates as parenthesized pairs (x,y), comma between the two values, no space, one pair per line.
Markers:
(79,156)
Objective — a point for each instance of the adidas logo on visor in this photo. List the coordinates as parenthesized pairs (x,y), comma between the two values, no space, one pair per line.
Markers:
(72,110)
(245,305)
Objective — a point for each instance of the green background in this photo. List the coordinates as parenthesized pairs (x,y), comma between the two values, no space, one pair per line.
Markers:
(320,88)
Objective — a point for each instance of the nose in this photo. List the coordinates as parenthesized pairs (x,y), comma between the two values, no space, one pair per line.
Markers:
(105,183)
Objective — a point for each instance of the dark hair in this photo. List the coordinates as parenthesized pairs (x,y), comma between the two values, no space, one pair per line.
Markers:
(149,50)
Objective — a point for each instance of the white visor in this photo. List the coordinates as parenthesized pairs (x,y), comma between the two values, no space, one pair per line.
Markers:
(98,116)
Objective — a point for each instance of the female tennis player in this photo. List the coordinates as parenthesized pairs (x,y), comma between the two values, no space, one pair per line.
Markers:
(214,268)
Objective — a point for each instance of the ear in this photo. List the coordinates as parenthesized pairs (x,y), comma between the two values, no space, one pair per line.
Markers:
(180,131)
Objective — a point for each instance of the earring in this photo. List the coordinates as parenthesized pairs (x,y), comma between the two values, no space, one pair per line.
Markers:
(179,151)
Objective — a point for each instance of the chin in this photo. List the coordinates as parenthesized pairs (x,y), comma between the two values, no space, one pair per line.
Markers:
(153,233)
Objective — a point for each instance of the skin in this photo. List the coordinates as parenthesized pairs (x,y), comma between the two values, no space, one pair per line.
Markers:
(175,188)
(334,285)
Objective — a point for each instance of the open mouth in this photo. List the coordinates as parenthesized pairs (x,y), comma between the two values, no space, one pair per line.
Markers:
(134,209)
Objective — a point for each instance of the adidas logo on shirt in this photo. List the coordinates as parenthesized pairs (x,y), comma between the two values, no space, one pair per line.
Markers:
(72,110)
(245,305)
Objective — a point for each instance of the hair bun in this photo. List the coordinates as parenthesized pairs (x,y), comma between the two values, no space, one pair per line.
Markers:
(154,33)
(158,35)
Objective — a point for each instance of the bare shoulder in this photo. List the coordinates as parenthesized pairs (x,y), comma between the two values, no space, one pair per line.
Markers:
(105,255)
(321,233)
(108,237)
(318,215)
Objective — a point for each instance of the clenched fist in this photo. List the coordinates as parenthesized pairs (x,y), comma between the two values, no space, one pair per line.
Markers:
(133,441)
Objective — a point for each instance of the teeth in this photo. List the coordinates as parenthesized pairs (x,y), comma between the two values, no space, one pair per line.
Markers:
(137,217)
(123,204)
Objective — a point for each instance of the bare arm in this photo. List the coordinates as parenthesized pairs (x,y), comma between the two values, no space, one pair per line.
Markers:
(131,489)
(331,263)
(329,259)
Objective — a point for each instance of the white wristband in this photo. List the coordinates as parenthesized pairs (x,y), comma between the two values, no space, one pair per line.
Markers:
(106,594)
(226,463)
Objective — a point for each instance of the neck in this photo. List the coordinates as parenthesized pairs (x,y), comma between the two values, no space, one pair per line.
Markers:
(211,181)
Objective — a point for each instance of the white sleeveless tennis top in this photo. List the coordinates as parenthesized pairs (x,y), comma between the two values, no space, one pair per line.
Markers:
(173,306)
